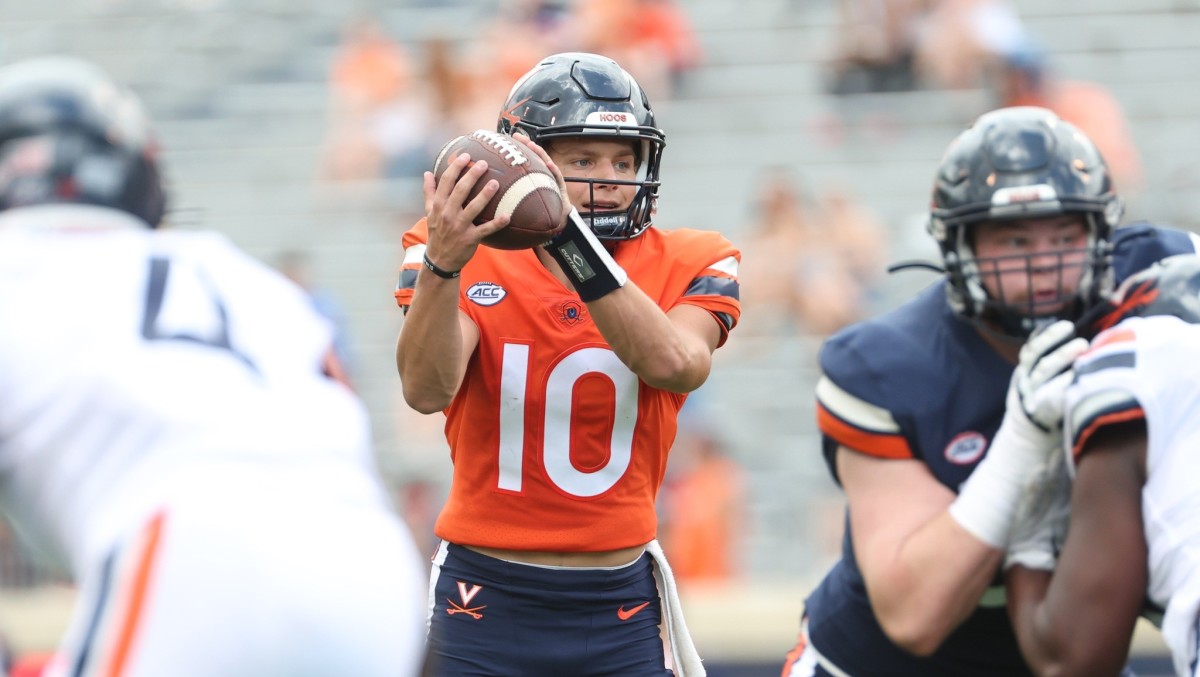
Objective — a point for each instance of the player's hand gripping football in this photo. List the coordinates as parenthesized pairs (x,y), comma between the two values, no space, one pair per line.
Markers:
(587,264)
(453,235)
(1029,435)
(558,175)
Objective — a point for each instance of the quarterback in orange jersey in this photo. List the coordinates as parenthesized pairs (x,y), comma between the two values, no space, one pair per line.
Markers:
(561,370)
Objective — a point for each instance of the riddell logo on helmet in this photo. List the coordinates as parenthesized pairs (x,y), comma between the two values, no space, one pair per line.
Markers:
(610,118)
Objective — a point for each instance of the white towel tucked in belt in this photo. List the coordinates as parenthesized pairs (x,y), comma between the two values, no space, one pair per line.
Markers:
(683,651)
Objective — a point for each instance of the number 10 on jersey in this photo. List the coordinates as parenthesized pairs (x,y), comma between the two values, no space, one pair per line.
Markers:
(559,401)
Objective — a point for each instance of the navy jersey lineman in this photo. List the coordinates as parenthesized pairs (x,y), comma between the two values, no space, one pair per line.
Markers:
(912,402)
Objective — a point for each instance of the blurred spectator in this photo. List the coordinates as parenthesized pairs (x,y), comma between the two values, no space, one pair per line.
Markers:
(662,27)
(856,236)
(520,34)
(512,42)
(960,42)
(376,127)
(653,39)
(874,45)
(809,268)
(770,256)
(447,92)
(296,265)
(1026,79)
(841,261)
(703,505)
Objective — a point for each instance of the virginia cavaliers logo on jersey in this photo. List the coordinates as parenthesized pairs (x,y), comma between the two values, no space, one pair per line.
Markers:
(966,448)
(486,293)
(466,595)
(570,312)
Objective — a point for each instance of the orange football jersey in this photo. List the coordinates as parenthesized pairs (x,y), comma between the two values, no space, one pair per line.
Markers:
(556,444)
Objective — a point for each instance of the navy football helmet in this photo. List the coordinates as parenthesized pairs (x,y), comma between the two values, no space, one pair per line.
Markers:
(587,95)
(1022,163)
(68,134)
(1169,287)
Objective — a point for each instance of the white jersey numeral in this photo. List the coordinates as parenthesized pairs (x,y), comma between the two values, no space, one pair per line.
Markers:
(556,427)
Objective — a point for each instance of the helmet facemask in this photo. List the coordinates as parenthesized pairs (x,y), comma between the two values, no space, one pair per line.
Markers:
(1081,276)
(632,220)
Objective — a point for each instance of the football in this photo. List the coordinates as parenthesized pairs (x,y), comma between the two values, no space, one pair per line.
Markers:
(528,192)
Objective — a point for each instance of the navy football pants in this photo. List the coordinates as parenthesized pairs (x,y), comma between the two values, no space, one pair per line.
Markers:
(496,618)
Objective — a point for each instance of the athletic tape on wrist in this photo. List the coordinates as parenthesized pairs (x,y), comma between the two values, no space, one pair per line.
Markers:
(987,502)
(588,265)
(986,510)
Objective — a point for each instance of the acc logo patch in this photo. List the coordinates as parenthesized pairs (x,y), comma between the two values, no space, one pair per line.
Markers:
(966,448)
(486,293)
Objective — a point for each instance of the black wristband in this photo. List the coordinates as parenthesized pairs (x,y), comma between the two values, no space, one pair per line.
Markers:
(588,265)
(440,272)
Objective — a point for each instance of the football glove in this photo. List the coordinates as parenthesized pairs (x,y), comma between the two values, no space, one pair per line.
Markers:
(1030,432)
(1040,523)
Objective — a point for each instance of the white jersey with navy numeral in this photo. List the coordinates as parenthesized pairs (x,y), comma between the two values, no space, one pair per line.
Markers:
(1148,368)
(168,436)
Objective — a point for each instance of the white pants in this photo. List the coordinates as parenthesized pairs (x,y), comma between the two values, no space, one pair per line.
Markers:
(268,572)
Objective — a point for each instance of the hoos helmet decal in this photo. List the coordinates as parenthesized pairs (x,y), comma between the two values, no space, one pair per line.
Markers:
(1023,163)
(68,134)
(574,95)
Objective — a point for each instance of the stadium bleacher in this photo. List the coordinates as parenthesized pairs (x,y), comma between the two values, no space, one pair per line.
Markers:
(240,91)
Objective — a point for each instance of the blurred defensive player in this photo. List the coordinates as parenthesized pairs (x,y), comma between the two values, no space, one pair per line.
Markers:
(170,433)
(1133,431)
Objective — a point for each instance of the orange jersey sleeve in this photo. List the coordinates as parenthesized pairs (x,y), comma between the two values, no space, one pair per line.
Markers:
(556,444)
